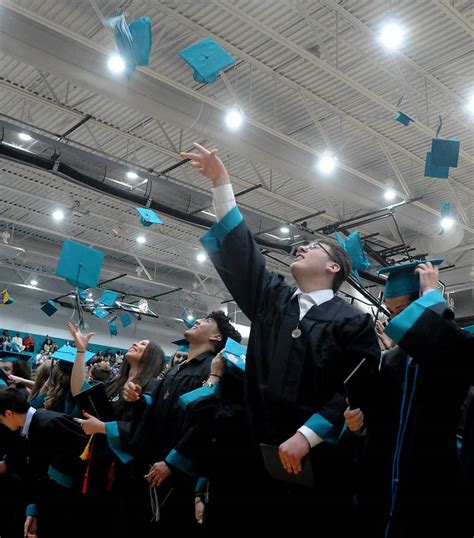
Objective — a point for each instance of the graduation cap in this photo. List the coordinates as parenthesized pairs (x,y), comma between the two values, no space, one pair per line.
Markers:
(10,300)
(402,118)
(126,320)
(445,152)
(100,313)
(13,356)
(79,265)
(148,217)
(183,345)
(235,354)
(401,279)
(207,58)
(4,297)
(66,355)
(108,298)
(352,244)
(432,170)
(49,308)
(113,328)
(133,41)
(469,329)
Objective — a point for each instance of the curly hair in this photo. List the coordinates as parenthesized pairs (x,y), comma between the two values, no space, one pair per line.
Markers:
(226,329)
(58,386)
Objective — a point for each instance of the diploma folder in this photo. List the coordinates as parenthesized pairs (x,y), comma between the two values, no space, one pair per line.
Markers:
(94,400)
(275,469)
(358,384)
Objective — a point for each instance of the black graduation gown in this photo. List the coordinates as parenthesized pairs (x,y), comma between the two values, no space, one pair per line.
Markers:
(290,382)
(54,445)
(430,388)
(157,436)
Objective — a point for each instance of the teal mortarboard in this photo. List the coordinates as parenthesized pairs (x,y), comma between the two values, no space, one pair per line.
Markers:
(235,354)
(126,320)
(445,152)
(113,328)
(79,265)
(402,118)
(401,279)
(352,244)
(66,355)
(49,308)
(108,298)
(432,170)
(148,217)
(133,41)
(10,300)
(183,345)
(207,58)
(469,329)
(12,356)
(100,313)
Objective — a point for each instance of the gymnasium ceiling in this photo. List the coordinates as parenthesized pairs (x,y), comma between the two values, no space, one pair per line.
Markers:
(310,76)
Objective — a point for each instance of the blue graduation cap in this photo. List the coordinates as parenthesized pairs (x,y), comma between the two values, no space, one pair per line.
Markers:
(402,118)
(10,300)
(445,152)
(235,354)
(113,328)
(126,320)
(469,329)
(13,356)
(4,296)
(79,265)
(100,313)
(432,170)
(352,244)
(133,41)
(66,355)
(207,58)
(183,345)
(148,217)
(49,308)
(108,298)
(401,279)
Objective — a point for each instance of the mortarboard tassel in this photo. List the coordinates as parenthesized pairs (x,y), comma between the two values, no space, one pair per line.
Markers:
(87,450)
(86,455)
(111,476)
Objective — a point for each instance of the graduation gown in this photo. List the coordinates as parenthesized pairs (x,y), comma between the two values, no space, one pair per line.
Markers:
(290,382)
(423,383)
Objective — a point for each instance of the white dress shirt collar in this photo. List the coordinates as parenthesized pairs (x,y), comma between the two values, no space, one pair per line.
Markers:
(317,297)
(26,425)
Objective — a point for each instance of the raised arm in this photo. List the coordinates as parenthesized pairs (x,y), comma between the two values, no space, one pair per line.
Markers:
(78,375)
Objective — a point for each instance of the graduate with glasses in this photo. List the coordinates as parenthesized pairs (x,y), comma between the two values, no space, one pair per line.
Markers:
(303,343)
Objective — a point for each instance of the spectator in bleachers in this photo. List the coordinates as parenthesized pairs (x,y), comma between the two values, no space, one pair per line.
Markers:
(29,343)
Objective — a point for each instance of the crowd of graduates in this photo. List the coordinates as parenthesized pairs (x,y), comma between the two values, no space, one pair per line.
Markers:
(185,449)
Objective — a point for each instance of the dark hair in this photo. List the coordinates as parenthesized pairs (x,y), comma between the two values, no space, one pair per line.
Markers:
(12,399)
(22,369)
(342,258)
(151,365)
(226,329)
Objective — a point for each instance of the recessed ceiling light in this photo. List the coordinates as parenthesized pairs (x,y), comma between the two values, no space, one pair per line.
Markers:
(58,215)
(234,119)
(284,230)
(116,64)
(132,175)
(327,164)
(33,282)
(25,137)
(141,239)
(447,223)
(201,257)
(390,195)
(392,35)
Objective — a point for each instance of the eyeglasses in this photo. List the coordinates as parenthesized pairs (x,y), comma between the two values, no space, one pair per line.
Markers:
(314,245)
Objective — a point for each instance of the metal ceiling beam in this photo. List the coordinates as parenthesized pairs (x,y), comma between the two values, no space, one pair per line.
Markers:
(336,73)
(457,17)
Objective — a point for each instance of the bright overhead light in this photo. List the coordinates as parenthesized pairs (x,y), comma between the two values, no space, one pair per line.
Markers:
(327,164)
(447,223)
(25,137)
(390,195)
(132,175)
(58,215)
(201,257)
(284,230)
(116,64)
(392,35)
(470,105)
(33,282)
(234,119)
(190,317)
(141,239)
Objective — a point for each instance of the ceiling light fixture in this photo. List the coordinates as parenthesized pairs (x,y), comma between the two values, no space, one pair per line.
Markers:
(116,64)
(392,35)
(132,175)
(470,105)
(25,137)
(327,164)
(390,195)
(447,223)
(58,215)
(33,282)
(284,230)
(234,119)
(141,239)
(201,257)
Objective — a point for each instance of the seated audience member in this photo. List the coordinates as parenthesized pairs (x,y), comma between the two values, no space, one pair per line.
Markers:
(100,372)
(412,456)
(47,345)
(6,341)
(29,344)
(52,446)
(17,343)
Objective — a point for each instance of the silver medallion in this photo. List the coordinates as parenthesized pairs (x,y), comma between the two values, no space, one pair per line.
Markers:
(296,333)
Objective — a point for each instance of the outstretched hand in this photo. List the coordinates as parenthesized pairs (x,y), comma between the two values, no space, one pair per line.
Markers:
(208,164)
(81,340)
